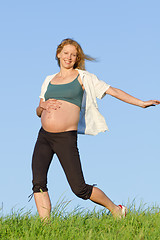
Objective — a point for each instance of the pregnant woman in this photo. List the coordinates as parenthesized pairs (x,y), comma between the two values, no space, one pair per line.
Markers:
(68,106)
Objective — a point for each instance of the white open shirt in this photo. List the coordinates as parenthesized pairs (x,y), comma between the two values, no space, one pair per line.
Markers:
(91,122)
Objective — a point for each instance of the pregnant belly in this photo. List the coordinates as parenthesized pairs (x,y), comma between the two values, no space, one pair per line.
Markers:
(63,119)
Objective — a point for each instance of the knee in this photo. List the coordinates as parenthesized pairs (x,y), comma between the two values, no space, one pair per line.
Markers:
(83,192)
(39,187)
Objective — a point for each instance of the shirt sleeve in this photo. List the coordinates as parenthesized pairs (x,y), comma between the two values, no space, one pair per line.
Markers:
(44,87)
(42,91)
(100,87)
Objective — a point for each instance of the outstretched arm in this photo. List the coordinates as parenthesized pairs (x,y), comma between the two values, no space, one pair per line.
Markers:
(125,97)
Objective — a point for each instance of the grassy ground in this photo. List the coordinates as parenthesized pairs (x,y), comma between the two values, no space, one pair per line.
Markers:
(82,225)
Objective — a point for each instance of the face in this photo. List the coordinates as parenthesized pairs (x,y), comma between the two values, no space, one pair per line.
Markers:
(68,56)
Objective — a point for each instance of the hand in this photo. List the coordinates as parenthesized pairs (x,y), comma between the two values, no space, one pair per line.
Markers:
(150,103)
(50,104)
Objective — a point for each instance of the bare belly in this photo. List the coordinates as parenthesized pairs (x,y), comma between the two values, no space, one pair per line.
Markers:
(63,119)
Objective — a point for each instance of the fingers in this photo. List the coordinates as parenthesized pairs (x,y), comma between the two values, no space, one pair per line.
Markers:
(151,103)
(156,102)
(52,104)
(53,101)
(48,109)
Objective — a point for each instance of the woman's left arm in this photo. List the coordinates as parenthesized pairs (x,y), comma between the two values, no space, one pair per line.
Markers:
(125,97)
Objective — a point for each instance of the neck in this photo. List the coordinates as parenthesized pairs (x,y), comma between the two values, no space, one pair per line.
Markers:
(66,72)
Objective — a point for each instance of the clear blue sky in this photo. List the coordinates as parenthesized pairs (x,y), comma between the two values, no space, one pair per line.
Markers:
(124,36)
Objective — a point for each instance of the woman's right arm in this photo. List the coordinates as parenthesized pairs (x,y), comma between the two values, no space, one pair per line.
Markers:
(47,105)
(39,108)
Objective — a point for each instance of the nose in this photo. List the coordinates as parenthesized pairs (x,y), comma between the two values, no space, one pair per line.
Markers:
(69,56)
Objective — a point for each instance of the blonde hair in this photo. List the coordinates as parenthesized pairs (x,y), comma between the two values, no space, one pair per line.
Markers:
(81,57)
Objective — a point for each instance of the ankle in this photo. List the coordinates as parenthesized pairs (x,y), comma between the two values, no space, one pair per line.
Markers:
(119,212)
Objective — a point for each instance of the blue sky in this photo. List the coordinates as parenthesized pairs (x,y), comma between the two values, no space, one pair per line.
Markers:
(124,36)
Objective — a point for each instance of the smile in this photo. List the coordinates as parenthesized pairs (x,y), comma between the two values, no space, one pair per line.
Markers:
(68,62)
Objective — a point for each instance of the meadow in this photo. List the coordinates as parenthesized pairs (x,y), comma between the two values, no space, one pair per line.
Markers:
(82,224)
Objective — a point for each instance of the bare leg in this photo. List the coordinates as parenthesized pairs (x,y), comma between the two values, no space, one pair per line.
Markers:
(43,204)
(99,197)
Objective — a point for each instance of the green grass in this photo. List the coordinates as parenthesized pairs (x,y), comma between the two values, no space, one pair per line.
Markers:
(82,225)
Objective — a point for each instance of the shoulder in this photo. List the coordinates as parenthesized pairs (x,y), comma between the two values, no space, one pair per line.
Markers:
(48,78)
(45,84)
(86,74)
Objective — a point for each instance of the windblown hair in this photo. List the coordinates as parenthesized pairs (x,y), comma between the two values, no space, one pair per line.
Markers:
(81,57)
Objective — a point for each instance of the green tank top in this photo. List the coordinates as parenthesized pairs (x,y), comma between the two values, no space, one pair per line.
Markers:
(70,92)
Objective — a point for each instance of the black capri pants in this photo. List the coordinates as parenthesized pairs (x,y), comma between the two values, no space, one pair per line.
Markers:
(64,145)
